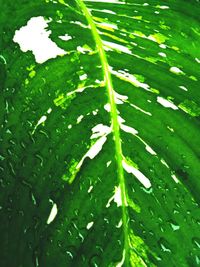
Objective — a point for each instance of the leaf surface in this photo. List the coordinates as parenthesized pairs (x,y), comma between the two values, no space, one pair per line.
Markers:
(99,159)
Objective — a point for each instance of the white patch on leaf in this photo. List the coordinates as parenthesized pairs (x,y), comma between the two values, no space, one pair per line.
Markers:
(107,11)
(79,119)
(165,103)
(89,225)
(128,129)
(109,25)
(118,47)
(163,7)
(130,78)
(34,37)
(96,148)
(100,130)
(65,37)
(119,99)
(176,70)
(119,224)
(175,178)
(90,189)
(162,54)
(83,77)
(183,88)
(108,163)
(138,174)
(107,107)
(163,46)
(52,214)
(121,263)
(117,196)
(150,150)
(140,109)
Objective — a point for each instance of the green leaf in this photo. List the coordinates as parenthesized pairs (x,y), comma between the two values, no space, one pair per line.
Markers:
(99,154)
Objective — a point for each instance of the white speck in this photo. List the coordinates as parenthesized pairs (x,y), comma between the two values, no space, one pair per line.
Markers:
(138,174)
(163,7)
(84,50)
(175,178)
(33,37)
(53,213)
(119,224)
(81,49)
(128,129)
(142,110)
(119,99)
(171,129)
(120,264)
(164,163)
(79,119)
(176,70)
(89,225)
(4,60)
(183,88)
(108,11)
(162,54)
(120,120)
(41,120)
(70,254)
(175,227)
(108,163)
(163,46)
(79,23)
(65,37)
(69,126)
(36,262)
(197,60)
(112,26)
(150,150)
(165,103)
(107,107)
(83,77)
(94,112)
(49,110)
(90,189)
(118,47)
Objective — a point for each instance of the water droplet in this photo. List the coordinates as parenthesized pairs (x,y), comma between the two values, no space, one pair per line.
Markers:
(94,261)
(2,157)
(164,245)
(175,211)
(174,225)
(196,241)
(197,259)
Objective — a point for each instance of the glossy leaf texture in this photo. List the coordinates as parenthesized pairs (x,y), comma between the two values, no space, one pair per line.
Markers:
(61,200)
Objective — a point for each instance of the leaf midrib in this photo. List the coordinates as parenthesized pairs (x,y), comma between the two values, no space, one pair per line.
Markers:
(114,123)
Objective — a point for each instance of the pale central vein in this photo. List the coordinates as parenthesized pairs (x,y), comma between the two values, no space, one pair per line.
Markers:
(114,121)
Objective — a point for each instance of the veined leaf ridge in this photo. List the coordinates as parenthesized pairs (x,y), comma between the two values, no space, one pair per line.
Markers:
(115,126)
